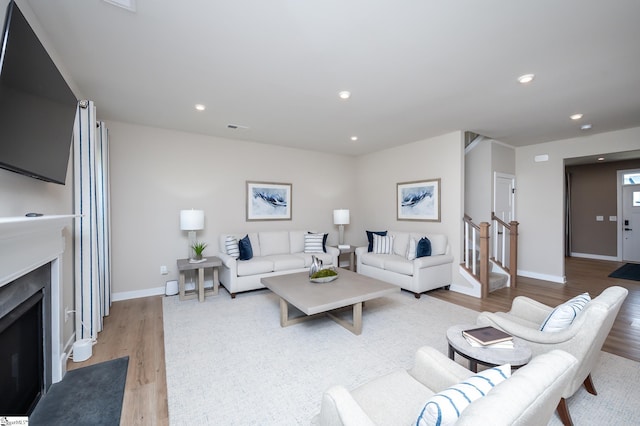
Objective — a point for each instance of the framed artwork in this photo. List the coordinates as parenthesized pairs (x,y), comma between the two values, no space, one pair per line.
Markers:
(419,200)
(268,201)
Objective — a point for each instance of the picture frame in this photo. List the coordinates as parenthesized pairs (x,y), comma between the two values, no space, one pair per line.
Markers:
(419,200)
(268,201)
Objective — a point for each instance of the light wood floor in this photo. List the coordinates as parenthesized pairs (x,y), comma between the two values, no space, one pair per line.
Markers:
(134,328)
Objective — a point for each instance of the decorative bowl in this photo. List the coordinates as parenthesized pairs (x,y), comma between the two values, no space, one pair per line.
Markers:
(324,279)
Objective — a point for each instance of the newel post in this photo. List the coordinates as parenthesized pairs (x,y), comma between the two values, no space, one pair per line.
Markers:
(513,252)
(484,259)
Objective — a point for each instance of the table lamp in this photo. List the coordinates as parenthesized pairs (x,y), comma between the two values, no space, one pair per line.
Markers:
(192,221)
(341,218)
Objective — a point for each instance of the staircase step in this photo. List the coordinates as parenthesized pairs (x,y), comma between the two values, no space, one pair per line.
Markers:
(497,281)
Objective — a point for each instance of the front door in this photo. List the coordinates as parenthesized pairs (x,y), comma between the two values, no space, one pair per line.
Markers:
(631,223)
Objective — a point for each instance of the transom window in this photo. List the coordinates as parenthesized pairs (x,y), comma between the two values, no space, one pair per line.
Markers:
(631,179)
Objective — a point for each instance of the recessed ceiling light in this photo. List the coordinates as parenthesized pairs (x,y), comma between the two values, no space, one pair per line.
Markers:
(600,158)
(354,138)
(200,107)
(527,78)
(586,127)
(345,94)
(576,116)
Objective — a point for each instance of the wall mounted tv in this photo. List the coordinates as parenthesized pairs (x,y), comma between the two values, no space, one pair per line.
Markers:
(37,107)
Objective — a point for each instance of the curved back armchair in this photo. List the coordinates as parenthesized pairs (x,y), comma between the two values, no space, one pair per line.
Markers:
(583,338)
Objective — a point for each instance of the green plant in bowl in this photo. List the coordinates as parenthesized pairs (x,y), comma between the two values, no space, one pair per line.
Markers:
(324,273)
(198,248)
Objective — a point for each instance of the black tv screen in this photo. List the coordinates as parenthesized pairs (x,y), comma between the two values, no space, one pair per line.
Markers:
(37,107)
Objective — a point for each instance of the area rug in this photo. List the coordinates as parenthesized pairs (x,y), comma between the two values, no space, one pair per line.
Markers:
(87,396)
(628,271)
(229,362)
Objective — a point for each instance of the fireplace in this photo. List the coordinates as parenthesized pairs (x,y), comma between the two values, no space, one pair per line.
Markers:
(31,349)
(25,341)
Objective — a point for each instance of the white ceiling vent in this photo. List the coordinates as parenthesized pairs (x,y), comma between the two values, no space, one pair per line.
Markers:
(125,4)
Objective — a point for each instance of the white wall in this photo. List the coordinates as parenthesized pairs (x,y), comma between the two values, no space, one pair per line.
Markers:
(378,173)
(478,181)
(156,173)
(540,198)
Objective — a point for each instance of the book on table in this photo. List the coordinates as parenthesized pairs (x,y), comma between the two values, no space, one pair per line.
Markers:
(487,335)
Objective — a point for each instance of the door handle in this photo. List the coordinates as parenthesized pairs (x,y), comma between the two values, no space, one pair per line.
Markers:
(628,229)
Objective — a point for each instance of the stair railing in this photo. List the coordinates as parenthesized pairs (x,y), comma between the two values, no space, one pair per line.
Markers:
(505,246)
(476,252)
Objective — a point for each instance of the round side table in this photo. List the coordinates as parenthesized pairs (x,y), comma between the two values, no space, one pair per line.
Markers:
(486,355)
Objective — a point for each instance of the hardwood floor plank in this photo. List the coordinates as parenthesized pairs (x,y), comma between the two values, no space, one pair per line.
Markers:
(135,328)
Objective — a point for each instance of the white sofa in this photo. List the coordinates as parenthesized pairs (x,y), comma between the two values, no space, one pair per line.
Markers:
(274,253)
(418,275)
(528,398)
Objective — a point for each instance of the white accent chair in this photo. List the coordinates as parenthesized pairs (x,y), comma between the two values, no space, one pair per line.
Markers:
(583,338)
(529,397)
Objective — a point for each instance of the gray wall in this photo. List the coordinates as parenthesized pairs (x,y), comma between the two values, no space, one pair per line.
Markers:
(594,193)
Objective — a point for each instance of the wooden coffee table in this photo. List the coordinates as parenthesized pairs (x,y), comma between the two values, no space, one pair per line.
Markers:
(315,299)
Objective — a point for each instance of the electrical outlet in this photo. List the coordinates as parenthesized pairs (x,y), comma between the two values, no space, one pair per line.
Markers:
(164,270)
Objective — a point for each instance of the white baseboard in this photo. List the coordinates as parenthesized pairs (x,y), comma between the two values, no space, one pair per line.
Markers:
(595,256)
(64,357)
(544,277)
(126,295)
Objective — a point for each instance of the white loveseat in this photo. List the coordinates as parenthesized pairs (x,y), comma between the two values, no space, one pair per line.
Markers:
(417,275)
(274,253)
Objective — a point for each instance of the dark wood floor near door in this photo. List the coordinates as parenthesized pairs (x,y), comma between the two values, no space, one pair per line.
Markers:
(134,328)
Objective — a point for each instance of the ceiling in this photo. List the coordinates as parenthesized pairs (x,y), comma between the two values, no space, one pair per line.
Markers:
(415,68)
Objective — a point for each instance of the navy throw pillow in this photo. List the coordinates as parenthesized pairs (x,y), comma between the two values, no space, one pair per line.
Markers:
(370,237)
(423,248)
(246,252)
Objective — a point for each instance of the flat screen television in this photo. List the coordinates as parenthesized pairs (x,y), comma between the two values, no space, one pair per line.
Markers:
(37,107)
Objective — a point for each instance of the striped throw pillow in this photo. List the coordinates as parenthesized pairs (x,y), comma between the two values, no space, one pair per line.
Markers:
(444,408)
(382,244)
(231,246)
(313,243)
(563,315)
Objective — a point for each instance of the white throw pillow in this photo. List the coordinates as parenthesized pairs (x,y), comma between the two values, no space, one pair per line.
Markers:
(563,315)
(313,243)
(382,244)
(444,408)
(231,245)
(411,250)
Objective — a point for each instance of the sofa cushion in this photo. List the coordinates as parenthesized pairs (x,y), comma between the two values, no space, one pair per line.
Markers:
(563,315)
(274,243)
(373,259)
(244,246)
(411,249)
(284,262)
(296,241)
(423,247)
(399,264)
(231,246)
(400,242)
(382,244)
(326,258)
(438,244)
(445,407)
(313,243)
(370,238)
(257,265)
(255,243)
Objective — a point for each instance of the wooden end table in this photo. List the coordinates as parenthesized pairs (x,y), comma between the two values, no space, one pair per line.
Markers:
(351,250)
(517,357)
(210,262)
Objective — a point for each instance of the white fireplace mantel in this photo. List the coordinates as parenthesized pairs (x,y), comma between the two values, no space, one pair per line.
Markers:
(27,243)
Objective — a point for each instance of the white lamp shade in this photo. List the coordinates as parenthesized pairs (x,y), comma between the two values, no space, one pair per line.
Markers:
(191,220)
(341,217)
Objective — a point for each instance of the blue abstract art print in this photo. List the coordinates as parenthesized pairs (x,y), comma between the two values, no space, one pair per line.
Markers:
(268,201)
(419,200)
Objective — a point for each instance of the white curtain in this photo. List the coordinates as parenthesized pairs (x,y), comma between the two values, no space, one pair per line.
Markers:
(92,226)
